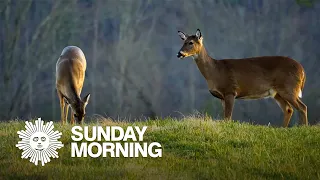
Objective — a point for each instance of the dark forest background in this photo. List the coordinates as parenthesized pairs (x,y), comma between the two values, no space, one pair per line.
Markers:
(131,47)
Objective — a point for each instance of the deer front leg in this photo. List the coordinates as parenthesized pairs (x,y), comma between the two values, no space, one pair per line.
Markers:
(228,106)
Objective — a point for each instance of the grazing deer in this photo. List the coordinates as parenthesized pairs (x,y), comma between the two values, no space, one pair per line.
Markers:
(70,74)
(251,78)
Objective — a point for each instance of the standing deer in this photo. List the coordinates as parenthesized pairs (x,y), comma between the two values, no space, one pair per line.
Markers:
(70,74)
(251,78)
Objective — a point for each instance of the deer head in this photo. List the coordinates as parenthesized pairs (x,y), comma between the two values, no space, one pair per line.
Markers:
(191,46)
(78,107)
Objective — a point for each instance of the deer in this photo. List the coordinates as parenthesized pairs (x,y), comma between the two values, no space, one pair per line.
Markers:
(253,78)
(70,74)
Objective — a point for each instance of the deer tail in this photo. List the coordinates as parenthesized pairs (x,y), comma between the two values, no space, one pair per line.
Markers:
(302,85)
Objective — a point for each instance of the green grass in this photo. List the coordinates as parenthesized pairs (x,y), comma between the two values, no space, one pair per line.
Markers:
(193,148)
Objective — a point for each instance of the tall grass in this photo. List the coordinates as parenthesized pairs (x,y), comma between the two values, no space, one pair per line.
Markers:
(193,148)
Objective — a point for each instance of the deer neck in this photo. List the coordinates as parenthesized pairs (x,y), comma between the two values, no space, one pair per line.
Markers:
(74,95)
(204,62)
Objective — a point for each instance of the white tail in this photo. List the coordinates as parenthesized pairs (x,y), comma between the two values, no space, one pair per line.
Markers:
(70,74)
(300,94)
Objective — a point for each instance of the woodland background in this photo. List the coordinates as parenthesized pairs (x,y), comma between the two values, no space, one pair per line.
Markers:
(131,47)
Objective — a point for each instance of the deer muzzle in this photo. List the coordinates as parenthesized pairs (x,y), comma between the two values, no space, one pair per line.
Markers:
(180,55)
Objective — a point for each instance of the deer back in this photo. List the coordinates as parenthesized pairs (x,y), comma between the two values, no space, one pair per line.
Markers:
(70,71)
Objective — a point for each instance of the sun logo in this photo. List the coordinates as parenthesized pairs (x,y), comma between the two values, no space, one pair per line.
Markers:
(39,142)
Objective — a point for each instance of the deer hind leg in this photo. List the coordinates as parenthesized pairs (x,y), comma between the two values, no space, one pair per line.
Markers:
(228,106)
(72,117)
(286,108)
(62,105)
(66,112)
(303,112)
(298,105)
(223,104)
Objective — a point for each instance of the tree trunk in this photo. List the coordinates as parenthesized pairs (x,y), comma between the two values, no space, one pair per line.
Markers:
(94,53)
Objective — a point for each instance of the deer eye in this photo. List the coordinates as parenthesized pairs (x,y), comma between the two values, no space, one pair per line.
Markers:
(190,43)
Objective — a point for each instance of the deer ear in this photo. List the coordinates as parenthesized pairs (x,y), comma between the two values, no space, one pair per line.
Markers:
(86,99)
(198,34)
(182,35)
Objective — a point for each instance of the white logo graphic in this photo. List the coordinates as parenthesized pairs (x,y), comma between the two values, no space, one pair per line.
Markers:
(39,142)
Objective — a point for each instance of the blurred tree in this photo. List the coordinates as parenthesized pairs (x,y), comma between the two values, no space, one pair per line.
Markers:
(131,51)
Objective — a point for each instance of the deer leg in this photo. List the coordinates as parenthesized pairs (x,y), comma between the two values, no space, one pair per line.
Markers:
(286,108)
(62,105)
(72,117)
(223,105)
(298,105)
(66,112)
(228,106)
(303,112)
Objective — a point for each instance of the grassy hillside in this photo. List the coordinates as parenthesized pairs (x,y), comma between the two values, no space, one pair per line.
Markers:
(193,148)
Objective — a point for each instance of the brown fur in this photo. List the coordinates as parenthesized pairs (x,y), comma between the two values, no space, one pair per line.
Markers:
(70,74)
(250,78)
